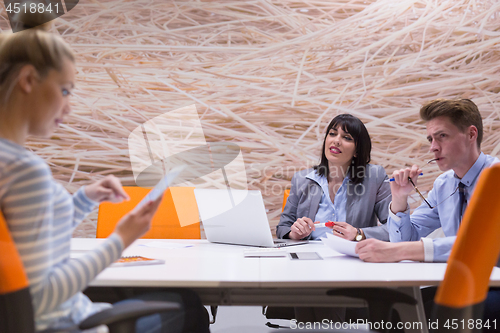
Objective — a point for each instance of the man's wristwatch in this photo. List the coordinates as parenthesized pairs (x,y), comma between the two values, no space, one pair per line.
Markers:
(359,235)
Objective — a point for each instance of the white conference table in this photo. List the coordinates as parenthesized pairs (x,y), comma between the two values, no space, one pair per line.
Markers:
(223,276)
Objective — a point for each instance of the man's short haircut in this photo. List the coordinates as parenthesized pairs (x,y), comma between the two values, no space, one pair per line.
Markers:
(462,112)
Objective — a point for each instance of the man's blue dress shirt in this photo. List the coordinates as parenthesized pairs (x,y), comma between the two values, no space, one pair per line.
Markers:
(423,221)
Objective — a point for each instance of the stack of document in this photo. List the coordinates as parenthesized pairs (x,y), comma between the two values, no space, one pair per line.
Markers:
(340,245)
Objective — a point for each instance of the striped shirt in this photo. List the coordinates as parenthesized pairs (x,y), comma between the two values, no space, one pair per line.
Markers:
(41,216)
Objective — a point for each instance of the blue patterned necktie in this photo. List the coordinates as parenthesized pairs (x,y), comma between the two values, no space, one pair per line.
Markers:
(463,201)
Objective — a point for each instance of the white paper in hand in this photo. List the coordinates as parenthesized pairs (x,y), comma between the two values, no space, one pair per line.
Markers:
(340,245)
(162,186)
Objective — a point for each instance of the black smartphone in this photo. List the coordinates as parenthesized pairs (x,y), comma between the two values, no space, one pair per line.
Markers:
(305,256)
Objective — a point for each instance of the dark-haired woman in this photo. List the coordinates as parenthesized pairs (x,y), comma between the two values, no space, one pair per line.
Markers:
(343,188)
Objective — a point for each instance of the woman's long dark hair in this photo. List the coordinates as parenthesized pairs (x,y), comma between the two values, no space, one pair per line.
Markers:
(355,127)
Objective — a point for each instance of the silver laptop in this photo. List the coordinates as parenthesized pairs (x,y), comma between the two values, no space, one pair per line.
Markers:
(237,217)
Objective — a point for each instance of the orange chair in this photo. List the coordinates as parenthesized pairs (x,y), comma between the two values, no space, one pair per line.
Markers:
(177,215)
(285,198)
(474,254)
(16,309)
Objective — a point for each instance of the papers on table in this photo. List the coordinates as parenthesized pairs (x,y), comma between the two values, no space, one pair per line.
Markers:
(340,245)
(166,245)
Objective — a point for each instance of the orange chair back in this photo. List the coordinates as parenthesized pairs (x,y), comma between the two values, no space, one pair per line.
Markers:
(12,275)
(16,310)
(285,197)
(476,248)
(177,215)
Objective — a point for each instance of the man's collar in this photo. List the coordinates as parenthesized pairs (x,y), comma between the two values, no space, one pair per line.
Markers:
(474,171)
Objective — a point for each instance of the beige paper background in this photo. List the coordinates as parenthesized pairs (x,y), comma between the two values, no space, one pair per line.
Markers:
(269,76)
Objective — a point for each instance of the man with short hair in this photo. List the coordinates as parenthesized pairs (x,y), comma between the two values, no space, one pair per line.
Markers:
(455,132)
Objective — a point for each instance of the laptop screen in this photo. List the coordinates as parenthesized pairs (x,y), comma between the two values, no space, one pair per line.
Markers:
(234,217)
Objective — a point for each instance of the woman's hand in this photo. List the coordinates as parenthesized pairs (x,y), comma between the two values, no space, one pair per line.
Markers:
(344,230)
(301,228)
(137,222)
(106,189)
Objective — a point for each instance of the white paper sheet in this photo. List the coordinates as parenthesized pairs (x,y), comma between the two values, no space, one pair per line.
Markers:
(166,245)
(340,245)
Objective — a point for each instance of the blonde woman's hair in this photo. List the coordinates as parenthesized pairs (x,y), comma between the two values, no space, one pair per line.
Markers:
(36,47)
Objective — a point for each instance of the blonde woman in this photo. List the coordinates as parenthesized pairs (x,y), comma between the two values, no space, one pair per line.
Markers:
(37,76)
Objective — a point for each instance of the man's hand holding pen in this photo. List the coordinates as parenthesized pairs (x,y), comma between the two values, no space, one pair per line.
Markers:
(401,187)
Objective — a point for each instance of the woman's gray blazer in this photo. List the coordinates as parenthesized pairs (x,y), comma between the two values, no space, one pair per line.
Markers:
(365,203)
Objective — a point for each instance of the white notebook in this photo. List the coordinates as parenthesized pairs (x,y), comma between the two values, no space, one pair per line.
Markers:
(265,252)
